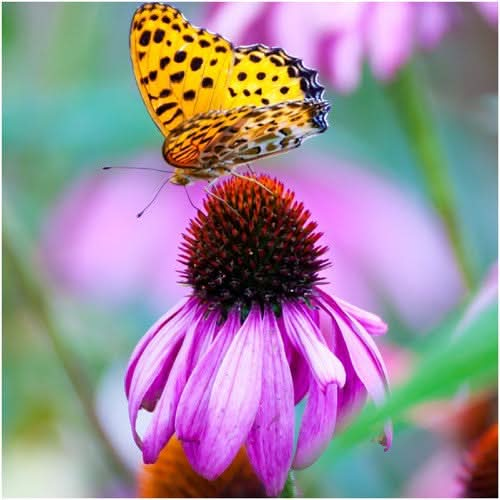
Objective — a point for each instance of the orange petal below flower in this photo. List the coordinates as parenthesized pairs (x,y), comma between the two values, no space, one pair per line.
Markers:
(172,476)
(481,471)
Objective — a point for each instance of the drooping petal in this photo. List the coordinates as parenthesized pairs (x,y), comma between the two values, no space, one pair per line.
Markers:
(318,424)
(299,366)
(307,340)
(386,438)
(234,400)
(372,323)
(363,353)
(193,404)
(300,376)
(158,354)
(161,426)
(352,396)
(150,334)
(270,441)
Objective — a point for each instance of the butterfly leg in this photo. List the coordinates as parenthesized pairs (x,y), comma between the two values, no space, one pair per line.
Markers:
(222,200)
(251,179)
(190,200)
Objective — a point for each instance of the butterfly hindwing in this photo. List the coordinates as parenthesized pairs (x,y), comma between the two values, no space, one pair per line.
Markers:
(262,76)
(224,139)
(181,70)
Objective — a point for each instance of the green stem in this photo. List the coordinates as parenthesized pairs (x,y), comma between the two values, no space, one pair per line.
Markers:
(415,115)
(30,286)
(290,489)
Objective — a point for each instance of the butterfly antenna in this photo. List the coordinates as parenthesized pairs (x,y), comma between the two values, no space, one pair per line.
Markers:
(222,200)
(255,181)
(158,191)
(141,168)
(190,200)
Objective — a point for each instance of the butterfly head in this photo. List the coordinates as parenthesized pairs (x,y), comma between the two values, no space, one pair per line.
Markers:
(179,178)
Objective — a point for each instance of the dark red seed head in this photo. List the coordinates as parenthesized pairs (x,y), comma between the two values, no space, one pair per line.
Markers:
(259,246)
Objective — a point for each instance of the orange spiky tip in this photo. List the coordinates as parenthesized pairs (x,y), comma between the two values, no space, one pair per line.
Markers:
(172,477)
(253,244)
(480,477)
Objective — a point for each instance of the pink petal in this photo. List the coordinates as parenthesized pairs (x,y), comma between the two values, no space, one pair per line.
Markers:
(232,20)
(363,353)
(284,33)
(142,344)
(193,404)
(270,441)
(234,400)
(389,37)
(370,322)
(300,376)
(489,10)
(352,396)
(434,20)
(161,426)
(346,61)
(318,424)
(155,363)
(307,340)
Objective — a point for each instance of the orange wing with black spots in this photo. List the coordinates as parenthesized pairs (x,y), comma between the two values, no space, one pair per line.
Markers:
(181,70)
(227,138)
(263,76)
(220,106)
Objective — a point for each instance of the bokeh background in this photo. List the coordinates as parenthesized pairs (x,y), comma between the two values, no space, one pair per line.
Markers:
(403,184)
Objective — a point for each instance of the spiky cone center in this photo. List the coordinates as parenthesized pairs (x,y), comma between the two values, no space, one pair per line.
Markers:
(257,246)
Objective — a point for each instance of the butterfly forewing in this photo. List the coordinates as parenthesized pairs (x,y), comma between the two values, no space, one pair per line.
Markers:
(181,70)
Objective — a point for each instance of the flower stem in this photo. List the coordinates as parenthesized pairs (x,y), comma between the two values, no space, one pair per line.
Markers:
(30,286)
(290,489)
(415,114)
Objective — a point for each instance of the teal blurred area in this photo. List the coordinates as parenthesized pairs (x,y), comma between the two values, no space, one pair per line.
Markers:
(70,107)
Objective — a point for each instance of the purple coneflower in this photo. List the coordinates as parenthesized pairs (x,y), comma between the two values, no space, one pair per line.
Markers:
(224,368)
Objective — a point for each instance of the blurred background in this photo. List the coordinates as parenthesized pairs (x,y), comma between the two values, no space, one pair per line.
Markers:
(403,184)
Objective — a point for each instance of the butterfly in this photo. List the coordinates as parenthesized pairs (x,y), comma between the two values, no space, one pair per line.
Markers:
(217,105)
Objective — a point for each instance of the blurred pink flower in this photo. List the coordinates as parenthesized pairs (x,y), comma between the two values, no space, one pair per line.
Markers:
(489,10)
(95,246)
(336,37)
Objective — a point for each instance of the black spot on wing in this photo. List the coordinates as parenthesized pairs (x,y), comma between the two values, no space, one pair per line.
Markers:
(159,35)
(207,82)
(145,38)
(165,107)
(177,77)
